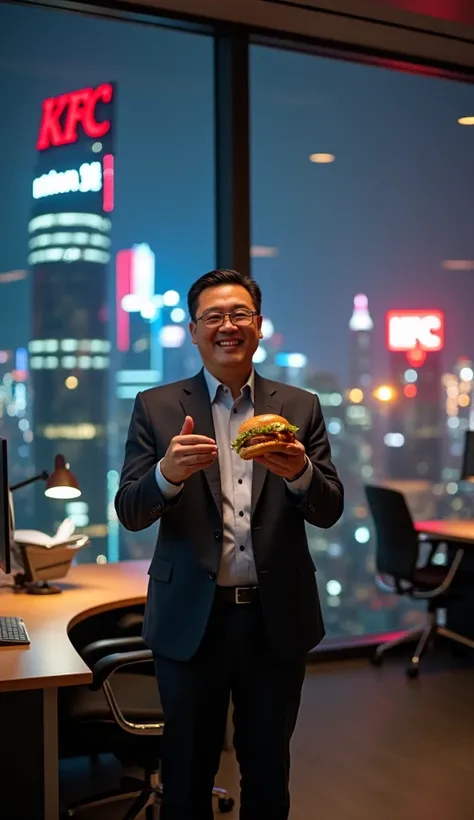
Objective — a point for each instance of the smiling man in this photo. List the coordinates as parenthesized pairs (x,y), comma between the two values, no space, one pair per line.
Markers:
(232,605)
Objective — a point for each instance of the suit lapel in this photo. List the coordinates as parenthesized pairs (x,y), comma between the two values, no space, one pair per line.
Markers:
(196,403)
(265,401)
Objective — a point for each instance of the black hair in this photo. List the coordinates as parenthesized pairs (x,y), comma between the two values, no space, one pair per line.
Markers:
(223,276)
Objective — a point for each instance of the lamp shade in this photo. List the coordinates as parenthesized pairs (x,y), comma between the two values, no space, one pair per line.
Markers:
(61,483)
(467,472)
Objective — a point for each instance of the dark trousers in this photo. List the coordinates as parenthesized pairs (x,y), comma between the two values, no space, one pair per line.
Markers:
(235,658)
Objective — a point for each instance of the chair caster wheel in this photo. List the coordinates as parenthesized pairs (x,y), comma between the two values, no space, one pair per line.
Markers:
(376,660)
(412,672)
(225,804)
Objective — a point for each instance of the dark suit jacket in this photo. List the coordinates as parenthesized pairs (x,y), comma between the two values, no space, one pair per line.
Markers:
(184,566)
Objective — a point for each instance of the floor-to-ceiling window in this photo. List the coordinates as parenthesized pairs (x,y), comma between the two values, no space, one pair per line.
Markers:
(362,239)
(107,216)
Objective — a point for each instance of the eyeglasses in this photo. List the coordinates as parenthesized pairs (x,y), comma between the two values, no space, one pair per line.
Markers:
(239,318)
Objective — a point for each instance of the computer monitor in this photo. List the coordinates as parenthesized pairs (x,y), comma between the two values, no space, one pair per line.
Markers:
(5,532)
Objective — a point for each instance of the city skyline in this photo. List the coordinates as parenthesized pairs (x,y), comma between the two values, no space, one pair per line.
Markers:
(382,219)
(387,223)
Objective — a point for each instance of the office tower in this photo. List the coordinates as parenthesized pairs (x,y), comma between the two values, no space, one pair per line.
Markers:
(415,412)
(15,423)
(361,352)
(457,389)
(149,351)
(69,241)
(359,418)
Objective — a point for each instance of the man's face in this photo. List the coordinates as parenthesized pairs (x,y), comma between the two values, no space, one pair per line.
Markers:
(226,346)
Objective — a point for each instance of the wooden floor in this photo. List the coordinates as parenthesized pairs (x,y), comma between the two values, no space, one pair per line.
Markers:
(370,745)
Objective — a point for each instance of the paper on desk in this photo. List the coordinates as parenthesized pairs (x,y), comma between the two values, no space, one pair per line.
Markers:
(63,535)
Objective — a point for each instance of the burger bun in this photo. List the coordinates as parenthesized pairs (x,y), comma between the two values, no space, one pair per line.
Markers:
(255,450)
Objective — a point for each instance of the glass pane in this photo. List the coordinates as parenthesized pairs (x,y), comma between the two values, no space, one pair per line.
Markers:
(107,215)
(361,205)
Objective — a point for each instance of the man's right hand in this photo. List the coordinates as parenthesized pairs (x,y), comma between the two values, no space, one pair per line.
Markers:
(187,454)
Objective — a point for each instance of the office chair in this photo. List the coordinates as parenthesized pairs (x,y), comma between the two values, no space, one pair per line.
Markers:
(397,553)
(119,713)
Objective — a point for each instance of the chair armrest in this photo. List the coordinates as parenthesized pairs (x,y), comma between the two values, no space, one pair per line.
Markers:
(107,646)
(449,578)
(106,666)
(103,670)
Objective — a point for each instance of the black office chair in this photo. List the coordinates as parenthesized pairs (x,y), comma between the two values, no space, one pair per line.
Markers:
(119,713)
(397,554)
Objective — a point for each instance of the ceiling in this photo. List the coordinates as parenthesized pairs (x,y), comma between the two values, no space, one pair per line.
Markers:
(458,11)
(430,31)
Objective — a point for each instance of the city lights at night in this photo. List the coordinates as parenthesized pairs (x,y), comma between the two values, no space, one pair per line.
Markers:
(384,393)
(366,296)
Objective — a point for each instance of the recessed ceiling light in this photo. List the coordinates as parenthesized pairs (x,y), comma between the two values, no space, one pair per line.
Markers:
(263,251)
(322,158)
(458,264)
(466,120)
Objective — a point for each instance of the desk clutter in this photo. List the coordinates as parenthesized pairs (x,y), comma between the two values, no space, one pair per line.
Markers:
(40,558)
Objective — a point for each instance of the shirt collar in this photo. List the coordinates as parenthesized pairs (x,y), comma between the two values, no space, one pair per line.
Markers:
(213,385)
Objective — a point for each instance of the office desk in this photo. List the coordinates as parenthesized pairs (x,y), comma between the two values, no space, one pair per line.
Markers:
(457,533)
(454,531)
(30,678)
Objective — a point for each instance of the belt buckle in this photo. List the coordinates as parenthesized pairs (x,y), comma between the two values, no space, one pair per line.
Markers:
(238,591)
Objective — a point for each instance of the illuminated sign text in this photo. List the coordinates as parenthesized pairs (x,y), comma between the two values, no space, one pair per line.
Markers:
(415,330)
(87,178)
(63,115)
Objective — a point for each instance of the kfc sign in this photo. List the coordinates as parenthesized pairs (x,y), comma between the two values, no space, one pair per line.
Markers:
(415,330)
(64,115)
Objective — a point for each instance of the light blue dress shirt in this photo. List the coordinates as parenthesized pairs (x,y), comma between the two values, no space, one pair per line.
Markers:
(237,567)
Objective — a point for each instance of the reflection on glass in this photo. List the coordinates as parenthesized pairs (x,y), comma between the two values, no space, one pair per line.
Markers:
(114,216)
(368,248)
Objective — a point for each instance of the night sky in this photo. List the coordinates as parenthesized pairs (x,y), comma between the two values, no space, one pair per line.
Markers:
(381,219)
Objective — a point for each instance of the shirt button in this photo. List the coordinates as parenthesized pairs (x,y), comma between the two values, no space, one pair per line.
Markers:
(235,409)
(241,513)
(212,576)
(240,481)
(217,534)
(241,548)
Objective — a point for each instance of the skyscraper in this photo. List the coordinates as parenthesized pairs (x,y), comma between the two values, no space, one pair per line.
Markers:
(150,338)
(69,240)
(361,352)
(415,415)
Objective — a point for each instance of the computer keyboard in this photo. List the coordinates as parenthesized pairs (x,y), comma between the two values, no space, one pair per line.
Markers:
(13,631)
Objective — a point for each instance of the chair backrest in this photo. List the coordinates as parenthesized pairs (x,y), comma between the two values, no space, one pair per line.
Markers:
(397,539)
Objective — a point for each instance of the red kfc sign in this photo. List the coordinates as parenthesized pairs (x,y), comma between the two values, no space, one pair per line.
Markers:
(63,115)
(421,330)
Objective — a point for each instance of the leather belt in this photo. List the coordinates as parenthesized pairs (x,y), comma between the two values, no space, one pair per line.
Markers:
(237,595)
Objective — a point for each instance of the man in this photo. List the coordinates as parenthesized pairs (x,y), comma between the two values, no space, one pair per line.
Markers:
(232,602)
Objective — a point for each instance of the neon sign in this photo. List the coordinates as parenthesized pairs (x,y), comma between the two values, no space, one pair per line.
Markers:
(410,330)
(63,115)
(87,178)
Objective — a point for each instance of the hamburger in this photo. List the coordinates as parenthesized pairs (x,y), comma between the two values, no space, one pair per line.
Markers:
(263,434)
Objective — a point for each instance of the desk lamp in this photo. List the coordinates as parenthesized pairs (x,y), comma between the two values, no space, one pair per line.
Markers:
(59,484)
(467,471)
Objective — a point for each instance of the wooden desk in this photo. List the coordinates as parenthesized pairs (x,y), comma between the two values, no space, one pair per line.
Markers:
(30,677)
(455,531)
